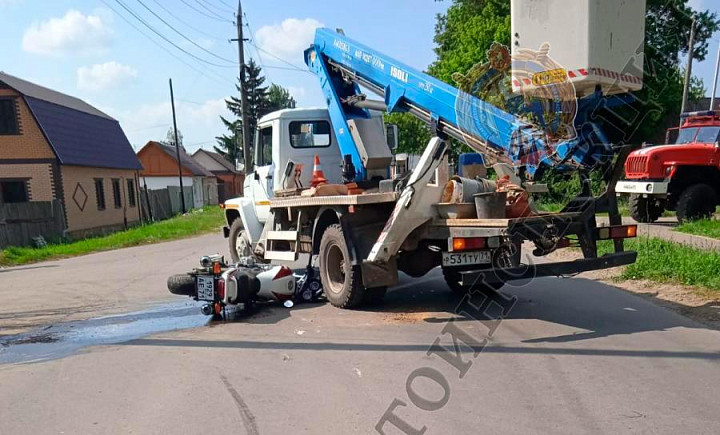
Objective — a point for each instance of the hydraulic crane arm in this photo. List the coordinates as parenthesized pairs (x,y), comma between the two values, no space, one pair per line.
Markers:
(343,65)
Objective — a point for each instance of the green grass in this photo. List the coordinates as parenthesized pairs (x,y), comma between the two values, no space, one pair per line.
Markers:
(708,228)
(195,222)
(668,262)
(554,207)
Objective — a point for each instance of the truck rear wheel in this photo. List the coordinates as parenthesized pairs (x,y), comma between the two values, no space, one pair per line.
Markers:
(696,202)
(342,282)
(645,210)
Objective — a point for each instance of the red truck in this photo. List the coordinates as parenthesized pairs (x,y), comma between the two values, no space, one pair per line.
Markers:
(683,176)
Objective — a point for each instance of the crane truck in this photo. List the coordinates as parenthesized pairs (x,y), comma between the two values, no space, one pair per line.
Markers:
(382,222)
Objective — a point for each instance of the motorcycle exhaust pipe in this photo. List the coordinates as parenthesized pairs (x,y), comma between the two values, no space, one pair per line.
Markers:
(207,310)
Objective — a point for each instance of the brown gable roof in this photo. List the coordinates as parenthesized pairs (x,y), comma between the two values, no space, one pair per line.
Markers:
(185,159)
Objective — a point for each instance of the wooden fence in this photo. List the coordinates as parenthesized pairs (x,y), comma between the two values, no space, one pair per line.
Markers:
(164,203)
(20,222)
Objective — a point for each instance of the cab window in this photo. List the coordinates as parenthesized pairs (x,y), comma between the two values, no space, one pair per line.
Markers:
(707,135)
(309,134)
(264,147)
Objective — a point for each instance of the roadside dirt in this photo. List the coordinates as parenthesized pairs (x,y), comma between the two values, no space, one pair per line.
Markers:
(699,304)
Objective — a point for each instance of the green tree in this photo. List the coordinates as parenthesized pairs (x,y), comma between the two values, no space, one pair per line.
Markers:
(261,101)
(280,98)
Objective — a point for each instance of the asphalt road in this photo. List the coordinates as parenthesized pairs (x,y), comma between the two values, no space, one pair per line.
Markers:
(572,356)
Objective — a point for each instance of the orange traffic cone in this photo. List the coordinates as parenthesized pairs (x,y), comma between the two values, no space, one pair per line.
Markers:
(318,177)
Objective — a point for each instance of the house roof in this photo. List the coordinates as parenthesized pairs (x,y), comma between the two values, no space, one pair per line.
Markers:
(42,93)
(222,161)
(185,159)
(78,133)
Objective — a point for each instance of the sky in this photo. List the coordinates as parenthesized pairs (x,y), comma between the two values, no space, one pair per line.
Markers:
(94,50)
(100,51)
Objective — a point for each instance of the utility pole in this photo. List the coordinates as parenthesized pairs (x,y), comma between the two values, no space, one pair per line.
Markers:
(688,70)
(715,80)
(177,149)
(243,89)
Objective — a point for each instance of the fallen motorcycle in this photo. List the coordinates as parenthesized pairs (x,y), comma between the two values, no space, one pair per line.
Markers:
(220,284)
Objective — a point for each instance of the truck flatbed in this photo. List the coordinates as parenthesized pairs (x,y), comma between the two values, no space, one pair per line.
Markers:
(314,201)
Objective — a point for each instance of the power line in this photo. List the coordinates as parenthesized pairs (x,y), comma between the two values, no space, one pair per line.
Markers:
(183,36)
(169,12)
(217,78)
(218,8)
(203,13)
(278,58)
(213,13)
(143,22)
(228,5)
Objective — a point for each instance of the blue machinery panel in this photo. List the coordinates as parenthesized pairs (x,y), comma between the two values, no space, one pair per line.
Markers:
(405,89)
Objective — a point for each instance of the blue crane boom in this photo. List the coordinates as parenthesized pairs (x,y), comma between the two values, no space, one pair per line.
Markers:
(343,65)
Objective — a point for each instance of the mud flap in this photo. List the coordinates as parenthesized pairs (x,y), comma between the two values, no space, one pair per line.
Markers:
(379,274)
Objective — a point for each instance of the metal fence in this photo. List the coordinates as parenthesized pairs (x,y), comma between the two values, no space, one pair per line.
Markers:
(21,222)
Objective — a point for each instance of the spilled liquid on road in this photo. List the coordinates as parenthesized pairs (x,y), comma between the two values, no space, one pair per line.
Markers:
(63,339)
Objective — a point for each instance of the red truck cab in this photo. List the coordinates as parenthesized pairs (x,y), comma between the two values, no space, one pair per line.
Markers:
(683,176)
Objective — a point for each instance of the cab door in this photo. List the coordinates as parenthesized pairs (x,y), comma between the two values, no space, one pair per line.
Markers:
(262,176)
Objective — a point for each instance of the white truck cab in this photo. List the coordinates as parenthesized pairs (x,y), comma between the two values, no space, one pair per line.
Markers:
(290,135)
(283,136)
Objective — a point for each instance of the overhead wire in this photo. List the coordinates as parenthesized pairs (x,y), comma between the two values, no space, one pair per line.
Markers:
(169,12)
(217,78)
(152,29)
(213,13)
(226,9)
(185,37)
(203,13)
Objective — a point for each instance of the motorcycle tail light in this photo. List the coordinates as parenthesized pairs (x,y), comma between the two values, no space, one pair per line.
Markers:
(221,288)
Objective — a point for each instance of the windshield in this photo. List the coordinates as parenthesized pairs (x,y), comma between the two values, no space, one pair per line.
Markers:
(698,135)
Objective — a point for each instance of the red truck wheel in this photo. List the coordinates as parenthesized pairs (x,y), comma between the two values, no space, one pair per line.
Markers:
(645,210)
(696,202)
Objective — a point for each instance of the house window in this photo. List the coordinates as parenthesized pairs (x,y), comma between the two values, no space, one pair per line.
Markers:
(100,194)
(310,134)
(8,116)
(131,192)
(14,191)
(117,193)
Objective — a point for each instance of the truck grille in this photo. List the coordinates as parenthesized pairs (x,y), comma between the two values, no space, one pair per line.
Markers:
(636,166)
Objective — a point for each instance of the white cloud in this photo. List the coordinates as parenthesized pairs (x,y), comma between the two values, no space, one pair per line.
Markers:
(104,76)
(288,39)
(74,33)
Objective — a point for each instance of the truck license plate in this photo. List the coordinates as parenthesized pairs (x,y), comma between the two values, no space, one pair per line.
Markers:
(205,288)
(465,258)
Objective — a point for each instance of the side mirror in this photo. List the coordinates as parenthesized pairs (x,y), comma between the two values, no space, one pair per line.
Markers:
(391,136)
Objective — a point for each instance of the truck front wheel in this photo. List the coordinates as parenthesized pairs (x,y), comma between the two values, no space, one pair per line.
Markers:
(696,202)
(342,282)
(645,210)
(239,243)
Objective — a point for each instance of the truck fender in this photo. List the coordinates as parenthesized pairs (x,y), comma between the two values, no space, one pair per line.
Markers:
(327,216)
(251,223)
